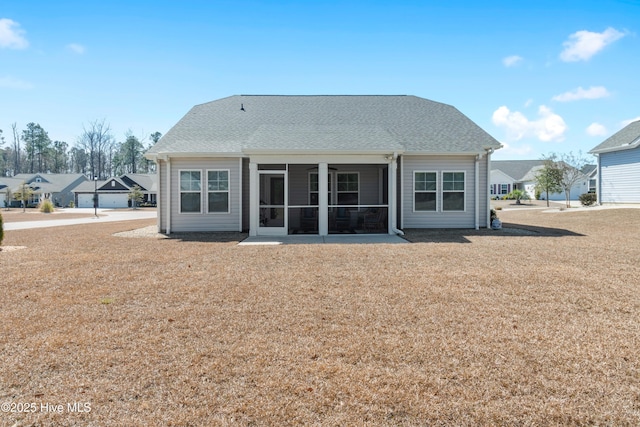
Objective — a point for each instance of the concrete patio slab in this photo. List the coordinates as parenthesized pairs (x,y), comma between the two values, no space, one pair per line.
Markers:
(354,239)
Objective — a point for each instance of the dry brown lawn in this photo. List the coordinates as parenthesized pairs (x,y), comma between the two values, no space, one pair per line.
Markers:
(533,325)
(32,214)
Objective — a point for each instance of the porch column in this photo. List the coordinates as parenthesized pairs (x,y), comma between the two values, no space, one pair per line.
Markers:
(253,199)
(323,199)
(391,197)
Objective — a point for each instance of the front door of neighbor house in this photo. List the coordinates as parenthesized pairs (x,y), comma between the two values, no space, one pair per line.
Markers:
(273,203)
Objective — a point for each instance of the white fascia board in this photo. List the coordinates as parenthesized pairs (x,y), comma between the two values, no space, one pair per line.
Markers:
(323,158)
(445,153)
(629,146)
(267,152)
(165,155)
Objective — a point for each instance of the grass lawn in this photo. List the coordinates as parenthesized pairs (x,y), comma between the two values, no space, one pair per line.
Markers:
(537,324)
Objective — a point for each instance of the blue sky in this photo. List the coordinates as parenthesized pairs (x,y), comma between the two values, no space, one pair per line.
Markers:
(541,77)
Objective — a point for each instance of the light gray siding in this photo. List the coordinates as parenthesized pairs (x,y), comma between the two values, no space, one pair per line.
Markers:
(620,176)
(162,196)
(446,219)
(203,221)
(245,194)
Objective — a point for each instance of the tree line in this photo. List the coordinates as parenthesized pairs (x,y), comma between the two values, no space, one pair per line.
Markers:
(96,152)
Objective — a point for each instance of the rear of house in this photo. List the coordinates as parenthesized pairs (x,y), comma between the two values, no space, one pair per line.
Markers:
(277,165)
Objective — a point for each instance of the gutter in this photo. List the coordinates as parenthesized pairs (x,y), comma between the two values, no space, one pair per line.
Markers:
(477,190)
(393,169)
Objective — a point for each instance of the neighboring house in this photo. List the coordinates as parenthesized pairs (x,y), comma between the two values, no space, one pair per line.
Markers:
(322,164)
(53,186)
(508,175)
(591,173)
(618,168)
(10,183)
(148,183)
(113,193)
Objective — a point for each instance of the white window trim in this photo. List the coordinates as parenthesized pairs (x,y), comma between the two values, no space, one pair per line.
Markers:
(180,192)
(228,191)
(506,189)
(309,191)
(442,191)
(338,192)
(436,192)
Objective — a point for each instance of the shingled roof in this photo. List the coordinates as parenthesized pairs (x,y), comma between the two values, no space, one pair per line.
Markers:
(245,124)
(627,137)
(516,169)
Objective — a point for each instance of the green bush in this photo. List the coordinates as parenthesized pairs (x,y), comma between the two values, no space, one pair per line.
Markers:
(518,195)
(46,206)
(71,204)
(538,193)
(588,199)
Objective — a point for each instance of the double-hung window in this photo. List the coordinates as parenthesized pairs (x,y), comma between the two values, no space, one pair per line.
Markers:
(348,188)
(190,191)
(425,191)
(313,188)
(218,191)
(453,191)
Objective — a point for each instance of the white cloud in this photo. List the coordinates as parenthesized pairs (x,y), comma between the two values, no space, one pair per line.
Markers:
(11,35)
(628,122)
(594,92)
(582,45)
(528,103)
(548,127)
(512,61)
(76,48)
(9,82)
(596,129)
(510,151)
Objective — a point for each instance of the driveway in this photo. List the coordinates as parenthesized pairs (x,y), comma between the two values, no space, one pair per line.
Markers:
(104,215)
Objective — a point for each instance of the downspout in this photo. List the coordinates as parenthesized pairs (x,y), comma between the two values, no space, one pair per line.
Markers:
(240,207)
(168,195)
(598,180)
(392,197)
(477,196)
(489,153)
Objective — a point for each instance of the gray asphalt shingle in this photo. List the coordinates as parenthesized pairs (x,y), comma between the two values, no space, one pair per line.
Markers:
(620,139)
(325,122)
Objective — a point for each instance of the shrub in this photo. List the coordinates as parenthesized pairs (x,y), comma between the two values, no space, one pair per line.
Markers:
(46,206)
(71,204)
(518,195)
(493,215)
(1,230)
(588,199)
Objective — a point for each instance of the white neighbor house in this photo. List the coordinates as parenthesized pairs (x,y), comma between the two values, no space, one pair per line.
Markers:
(277,165)
(508,175)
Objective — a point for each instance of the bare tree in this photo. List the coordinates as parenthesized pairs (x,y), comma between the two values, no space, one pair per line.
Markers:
(78,160)
(95,139)
(16,149)
(571,166)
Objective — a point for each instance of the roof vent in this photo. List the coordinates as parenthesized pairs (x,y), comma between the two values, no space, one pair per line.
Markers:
(241,107)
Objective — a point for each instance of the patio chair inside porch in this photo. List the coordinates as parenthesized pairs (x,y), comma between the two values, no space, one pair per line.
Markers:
(309,220)
(342,220)
(374,219)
